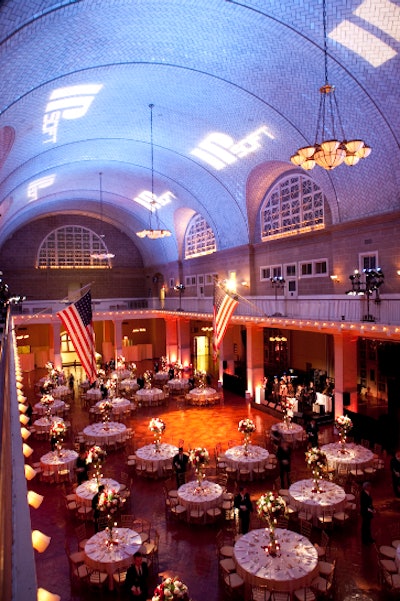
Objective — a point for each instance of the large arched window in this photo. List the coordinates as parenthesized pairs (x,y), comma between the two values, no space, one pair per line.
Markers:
(72,247)
(294,205)
(199,238)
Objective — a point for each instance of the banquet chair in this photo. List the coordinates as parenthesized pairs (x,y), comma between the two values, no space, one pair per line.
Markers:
(259,471)
(326,568)
(76,557)
(151,470)
(233,584)
(224,543)
(78,574)
(177,510)
(340,518)
(391,582)
(127,520)
(196,516)
(71,506)
(150,550)
(323,545)
(213,515)
(325,520)
(259,593)
(168,470)
(357,474)
(102,522)
(305,528)
(84,513)
(280,596)
(119,578)
(304,594)
(81,535)
(97,580)
(47,476)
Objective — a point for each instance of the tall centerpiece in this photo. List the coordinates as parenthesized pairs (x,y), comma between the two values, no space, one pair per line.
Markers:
(171,589)
(96,456)
(47,401)
(57,433)
(246,427)
(269,507)
(200,378)
(343,425)
(147,378)
(157,426)
(110,501)
(178,369)
(288,407)
(199,458)
(316,462)
(105,408)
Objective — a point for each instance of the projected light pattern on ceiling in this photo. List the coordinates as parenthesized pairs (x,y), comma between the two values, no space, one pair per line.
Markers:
(220,150)
(67,103)
(384,16)
(39,184)
(153,202)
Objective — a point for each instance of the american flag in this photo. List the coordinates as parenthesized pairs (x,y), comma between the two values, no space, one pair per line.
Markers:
(77,318)
(224,306)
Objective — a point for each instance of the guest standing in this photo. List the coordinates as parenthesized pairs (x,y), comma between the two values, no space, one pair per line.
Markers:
(395,469)
(312,431)
(82,467)
(367,513)
(136,578)
(284,457)
(96,508)
(243,503)
(180,463)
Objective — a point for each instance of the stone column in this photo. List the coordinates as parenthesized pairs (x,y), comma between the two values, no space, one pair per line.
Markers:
(255,358)
(345,372)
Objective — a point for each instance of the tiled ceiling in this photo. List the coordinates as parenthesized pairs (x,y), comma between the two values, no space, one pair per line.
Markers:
(77,79)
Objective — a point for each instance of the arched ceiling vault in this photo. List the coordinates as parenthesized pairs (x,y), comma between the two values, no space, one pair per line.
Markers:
(78,78)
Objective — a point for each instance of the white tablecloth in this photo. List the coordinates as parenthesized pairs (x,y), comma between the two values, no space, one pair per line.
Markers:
(161,376)
(109,558)
(236,458)
(203,396)
(86,491)
(191,497)
(148,396)
(43,424)
(121,374)
(56,407)
(53,462)
(94,394)
(355,455)
(105,433)
(295,568)
(291,433)
(60,391)
(325,401)
(149,456)
(119,405)
(332,497)
(129,384)
(178,384)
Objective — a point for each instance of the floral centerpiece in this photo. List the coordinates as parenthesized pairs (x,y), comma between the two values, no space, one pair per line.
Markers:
(112,385)
(288,408)
(120,362)
(132,368)
(343,425)
(171,589)
(47,401)
(164,363)
(201,378)
(246,427)
(178,369)
(147,378)
(110,501)
(96,455)
(57,433)
(105,408)
(269,507)
(157,426)
(199,458)
(316,462)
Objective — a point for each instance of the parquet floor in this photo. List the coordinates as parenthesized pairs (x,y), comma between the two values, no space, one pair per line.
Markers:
(189,550)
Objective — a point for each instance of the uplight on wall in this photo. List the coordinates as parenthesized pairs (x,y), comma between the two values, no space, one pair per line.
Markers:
(34,499)
(27,450)
(43,595)
(40,541)
(335,278)
(29,472)
(25,433)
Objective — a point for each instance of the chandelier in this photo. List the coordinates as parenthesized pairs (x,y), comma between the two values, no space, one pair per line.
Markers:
(331,148)
(157,232)
(101,255)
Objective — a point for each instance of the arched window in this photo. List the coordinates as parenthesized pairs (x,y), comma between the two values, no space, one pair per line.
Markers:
(72,247)
(199,238)
(294,205)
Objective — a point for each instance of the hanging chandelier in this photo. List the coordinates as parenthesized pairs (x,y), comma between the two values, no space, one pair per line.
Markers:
(331,148)
(103,254)
(157,232)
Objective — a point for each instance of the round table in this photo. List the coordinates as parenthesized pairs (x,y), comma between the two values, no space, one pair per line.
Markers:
(161,377)
(331,498)
(108,558)
(149,456)
(93,394)
(119,405)
(178,385)
(289,433)
(236,458)
(105,433)
(355,456)
(191,496)
(86,491)
(53,462)
(121,373)
(129,384)
(60,391)
(56,407)
(43,424)
(203,396)
(150,396)
(295,567)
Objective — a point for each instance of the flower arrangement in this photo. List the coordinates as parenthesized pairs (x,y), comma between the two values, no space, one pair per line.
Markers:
(105,407)
(316,461)
(269,507)
(157,425)
(201,378)
(199,458)
(343,424)
(164,363)
(95,455)
(58,429)
(171,589)
(246,426)
(110,501)
(47,400)
(287,408)
(147,378)
(178,369)
(132,368)
(120,362)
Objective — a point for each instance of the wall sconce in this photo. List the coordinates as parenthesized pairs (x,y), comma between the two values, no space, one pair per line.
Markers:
(25,433)
(43,595)
(335,278)
(30,473)
(40,541)
(398,272)
(24,419)
(244,284)
(34,499)
(27,450)
(22,408)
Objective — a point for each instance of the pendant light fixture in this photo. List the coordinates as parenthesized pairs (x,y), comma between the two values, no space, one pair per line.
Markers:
(102,254)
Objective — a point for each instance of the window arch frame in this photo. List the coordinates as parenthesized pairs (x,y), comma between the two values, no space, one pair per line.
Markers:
(206,243)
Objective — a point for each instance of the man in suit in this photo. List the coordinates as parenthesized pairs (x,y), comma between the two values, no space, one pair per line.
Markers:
(95,507)
(243,503)
(284,457)
(367,513)
(180,463)
(312,431)
(136,578)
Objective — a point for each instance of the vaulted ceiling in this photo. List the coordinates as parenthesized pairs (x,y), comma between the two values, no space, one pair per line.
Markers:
(77,79)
